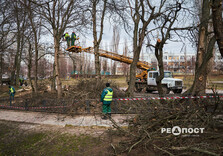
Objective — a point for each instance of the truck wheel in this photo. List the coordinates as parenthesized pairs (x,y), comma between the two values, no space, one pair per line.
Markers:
(175,91)
(166,90)
(149,91)
(179,91)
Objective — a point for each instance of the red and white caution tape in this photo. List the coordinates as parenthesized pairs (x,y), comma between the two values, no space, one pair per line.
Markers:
(23,108)
(47,107)
(14,107)
(165,98)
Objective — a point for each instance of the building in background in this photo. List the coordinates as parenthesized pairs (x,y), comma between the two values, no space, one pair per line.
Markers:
(218,63)
(175,62)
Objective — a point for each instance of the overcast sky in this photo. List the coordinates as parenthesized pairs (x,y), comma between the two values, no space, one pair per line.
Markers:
(170,47)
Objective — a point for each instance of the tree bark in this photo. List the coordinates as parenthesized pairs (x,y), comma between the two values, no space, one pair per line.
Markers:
(53,78)
(159,57)
(34,31)
(57,67)
(30,66)
(97,62)
(13,80)
(1,66)
(139,33)
(19,59)
(204,53)
(97,40)
(218,23)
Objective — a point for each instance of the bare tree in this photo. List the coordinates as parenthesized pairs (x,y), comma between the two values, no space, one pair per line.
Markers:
(29,59)
(59,15)
(35,23)
(6,37)
(141,13)
(204,51)
(168,20)
(97,38)
(21,23)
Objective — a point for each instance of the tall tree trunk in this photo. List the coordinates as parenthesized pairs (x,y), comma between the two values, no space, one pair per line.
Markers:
(19,59)
(218,23)
(159,57)
(57,67)
(136,54)
(30,66)
(13,80)
(1,66)
(36,63)
(97,62)
(204,53)
(139,33)
(131,87)
(97,40)
(53,78)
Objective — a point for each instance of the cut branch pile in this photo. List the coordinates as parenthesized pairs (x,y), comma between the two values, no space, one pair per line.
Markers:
(145,129)
(90,89)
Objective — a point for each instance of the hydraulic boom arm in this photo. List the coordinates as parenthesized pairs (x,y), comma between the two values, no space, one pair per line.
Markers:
(114,56)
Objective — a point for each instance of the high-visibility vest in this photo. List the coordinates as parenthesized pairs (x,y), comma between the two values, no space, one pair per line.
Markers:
(108,96)
(11,90)
(74,36)
(67,35)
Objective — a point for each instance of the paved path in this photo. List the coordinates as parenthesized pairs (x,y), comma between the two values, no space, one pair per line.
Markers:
(217,82)
(60,119)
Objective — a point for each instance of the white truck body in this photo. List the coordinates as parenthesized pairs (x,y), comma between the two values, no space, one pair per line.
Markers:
(169,83)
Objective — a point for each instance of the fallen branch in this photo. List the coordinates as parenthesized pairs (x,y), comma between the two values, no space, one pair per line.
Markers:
(163,150)
(136,143)
(195,149)
(114,148)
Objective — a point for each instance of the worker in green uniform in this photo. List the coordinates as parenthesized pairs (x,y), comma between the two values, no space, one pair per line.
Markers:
(21,81)
(106,99)
(73,38)
(11,94)
(67,38)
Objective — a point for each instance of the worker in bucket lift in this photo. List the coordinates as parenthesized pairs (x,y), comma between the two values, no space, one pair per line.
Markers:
(11,94)
(67,38)
(73,38)
(106,99)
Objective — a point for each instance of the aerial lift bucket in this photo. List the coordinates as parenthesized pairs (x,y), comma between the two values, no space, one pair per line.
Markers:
(76,49)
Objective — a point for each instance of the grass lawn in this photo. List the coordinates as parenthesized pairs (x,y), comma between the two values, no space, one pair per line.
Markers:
(16,141)
(188,81)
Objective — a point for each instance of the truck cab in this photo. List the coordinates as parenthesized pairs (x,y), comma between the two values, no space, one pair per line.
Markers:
(169,83)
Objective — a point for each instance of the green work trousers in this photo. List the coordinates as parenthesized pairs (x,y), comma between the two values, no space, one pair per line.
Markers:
(68,41)
(106,108)
(72,41)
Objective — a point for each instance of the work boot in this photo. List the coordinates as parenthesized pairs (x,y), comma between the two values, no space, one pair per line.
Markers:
(104,117)
(109,115)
